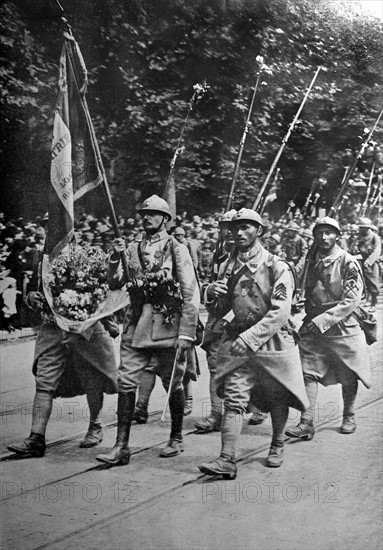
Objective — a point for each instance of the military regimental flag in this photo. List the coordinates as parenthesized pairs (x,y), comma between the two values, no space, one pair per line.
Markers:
(74,166)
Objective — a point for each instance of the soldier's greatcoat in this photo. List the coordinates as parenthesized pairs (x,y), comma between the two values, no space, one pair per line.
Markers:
(260,295)
(294,251)
(334,290)
(369,247)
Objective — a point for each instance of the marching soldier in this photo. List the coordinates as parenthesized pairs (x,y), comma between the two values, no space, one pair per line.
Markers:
(369,248)
(212,336)
(67,364)
(294,247)
(257,355)
(332,345)
(160,322)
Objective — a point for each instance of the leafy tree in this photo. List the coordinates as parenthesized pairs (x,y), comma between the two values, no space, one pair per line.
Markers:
(143,59)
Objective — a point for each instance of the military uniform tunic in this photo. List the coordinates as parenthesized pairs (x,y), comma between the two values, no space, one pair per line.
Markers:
(333,291)
(369,247)
(260,294)
(175,261)
(294,251)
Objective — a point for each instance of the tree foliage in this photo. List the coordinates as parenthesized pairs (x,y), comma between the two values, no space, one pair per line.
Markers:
(143,59)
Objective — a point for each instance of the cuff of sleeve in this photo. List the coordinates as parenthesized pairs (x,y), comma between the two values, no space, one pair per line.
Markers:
(252,344)
(182,337)
(322,326)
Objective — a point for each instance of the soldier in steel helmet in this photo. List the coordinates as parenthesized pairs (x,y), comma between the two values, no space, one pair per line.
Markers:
(332,345)
(294,247)
(369,250)
(257,357)
(157,262)
(212,336)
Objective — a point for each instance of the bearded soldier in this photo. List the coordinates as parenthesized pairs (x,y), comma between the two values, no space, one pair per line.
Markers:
(161,321)
(257,355)
(332,345)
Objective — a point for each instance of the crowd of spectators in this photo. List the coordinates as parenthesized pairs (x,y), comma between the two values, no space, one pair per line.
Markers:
(22,243)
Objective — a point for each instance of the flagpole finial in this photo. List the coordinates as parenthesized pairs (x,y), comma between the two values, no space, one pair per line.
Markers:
(66,27)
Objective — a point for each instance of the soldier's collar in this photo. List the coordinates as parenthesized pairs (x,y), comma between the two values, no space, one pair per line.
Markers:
(159,236)
(254,257)
(330,259)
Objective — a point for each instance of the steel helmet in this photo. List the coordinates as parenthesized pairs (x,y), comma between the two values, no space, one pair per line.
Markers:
(156,203)
(365,222)
(327,221)
(275,237)
(248,215)
(228,216)
(292,226)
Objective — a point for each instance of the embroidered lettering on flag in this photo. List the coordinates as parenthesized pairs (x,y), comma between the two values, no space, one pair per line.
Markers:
(74,166)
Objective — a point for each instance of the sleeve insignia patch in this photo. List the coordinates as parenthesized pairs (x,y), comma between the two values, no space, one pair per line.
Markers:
(352,274)
(280,292)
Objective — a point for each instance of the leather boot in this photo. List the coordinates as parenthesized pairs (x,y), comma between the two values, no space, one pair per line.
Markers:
(140,414)
(147,383)
(302,431)
(32,447)
(210,424)
(176,406)
(275,457)
(348,425)
(120,453)
(225,467)
(93,436)
(173,448)
(188,398)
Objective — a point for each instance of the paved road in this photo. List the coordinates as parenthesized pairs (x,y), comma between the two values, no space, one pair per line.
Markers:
(327,494)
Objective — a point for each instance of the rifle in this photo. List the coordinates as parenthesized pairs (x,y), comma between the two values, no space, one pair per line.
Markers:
(265,196)
(199,90)
(368,192)
(229,200)
(376,198)
(308,199)
(340,196)
(284,142)
(301,292)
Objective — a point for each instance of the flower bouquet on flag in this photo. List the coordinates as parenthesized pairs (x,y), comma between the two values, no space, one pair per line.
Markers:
(76,288)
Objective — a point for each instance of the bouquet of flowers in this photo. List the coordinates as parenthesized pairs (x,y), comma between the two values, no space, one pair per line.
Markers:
(158,289)
(76,288)
(78,282)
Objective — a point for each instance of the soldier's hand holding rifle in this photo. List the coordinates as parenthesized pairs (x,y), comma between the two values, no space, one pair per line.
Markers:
(119,246)
(217,290)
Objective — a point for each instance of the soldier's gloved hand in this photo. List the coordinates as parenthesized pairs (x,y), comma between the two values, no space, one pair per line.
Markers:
(183,346)
(119,246)
(238,347)
(216,290)
(35,300)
